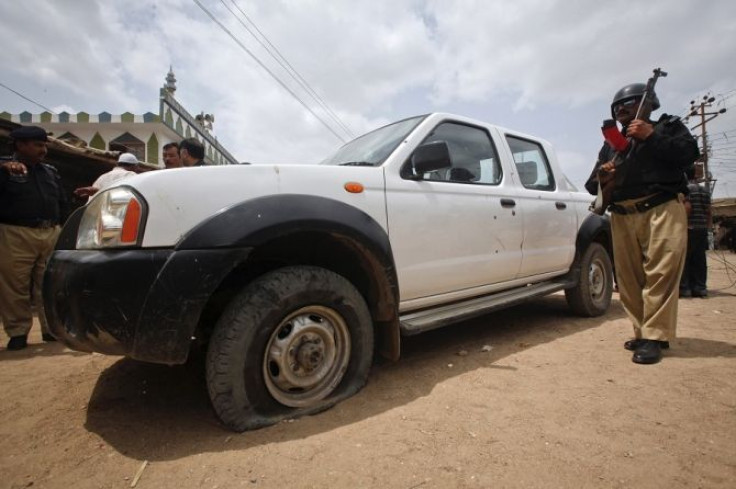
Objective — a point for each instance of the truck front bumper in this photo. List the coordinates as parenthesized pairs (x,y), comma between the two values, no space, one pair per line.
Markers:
(144,304)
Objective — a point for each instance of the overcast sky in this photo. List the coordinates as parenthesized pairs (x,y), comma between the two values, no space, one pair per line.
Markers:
(545,67)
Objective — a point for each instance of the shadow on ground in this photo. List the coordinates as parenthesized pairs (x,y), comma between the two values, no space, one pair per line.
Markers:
(156,412)
(45,349)
(700,348)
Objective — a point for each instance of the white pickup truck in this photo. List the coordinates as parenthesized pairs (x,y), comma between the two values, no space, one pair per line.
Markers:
(292,275)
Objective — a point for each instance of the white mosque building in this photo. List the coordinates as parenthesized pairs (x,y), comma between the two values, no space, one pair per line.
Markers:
(142,134)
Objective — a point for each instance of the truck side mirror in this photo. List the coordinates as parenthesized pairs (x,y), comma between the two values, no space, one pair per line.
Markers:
(430,157)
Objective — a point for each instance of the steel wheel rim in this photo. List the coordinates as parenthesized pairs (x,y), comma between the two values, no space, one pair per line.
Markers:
(306,356)
(596,280)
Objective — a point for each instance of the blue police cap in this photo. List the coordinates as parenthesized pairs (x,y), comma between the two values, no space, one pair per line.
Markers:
(29,132)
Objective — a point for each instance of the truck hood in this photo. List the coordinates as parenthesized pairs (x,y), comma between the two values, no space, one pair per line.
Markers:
(179,199)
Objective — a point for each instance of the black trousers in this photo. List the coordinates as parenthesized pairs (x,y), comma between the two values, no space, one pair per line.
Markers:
(695,274)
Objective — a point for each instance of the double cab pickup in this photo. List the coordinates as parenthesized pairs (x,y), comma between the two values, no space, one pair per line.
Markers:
(292,277)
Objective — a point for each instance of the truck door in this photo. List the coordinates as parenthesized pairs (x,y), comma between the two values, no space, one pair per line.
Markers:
(549,219)
(457,228)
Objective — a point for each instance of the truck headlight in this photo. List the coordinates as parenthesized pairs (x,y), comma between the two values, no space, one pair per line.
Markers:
(113,219)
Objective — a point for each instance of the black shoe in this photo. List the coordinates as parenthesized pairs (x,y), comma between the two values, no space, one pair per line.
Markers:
(632,345)
(48,337)
(648,352)
(18,342)
(686,293)
(700,293)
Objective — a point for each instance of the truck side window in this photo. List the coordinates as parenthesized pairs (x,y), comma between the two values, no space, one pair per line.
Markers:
(531,164)
(474,158)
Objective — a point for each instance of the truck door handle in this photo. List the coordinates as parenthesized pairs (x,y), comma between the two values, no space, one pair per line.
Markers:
(508,203)
(560,205)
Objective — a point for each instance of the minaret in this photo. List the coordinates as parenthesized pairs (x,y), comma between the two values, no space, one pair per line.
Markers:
(170,85)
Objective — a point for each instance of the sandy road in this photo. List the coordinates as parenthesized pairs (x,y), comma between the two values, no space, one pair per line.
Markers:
(556,402)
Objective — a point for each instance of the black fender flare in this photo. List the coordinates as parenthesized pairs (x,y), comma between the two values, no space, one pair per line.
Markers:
(254,222)
(595,228)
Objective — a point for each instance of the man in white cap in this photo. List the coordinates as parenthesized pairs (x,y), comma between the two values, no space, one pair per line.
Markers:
(124,169)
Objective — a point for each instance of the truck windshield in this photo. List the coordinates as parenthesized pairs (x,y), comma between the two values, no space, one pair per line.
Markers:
(373,148)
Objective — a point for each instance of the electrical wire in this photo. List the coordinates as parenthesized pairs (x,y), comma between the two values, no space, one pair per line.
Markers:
(26,98)
(274,52)
(687,113)
(273,75)
(720,257)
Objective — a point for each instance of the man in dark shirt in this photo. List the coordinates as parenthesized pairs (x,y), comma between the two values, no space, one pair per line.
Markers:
(699,222)
(191,152)
(648,220)
(31,207)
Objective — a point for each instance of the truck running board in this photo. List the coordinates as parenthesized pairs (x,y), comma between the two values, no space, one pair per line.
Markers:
(416,322)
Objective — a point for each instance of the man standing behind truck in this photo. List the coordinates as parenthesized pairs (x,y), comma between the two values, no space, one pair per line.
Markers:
(191,152)
(127,163)
(171,156)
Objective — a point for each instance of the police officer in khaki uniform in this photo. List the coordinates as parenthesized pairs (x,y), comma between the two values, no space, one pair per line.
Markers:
(648,220)
(32,204)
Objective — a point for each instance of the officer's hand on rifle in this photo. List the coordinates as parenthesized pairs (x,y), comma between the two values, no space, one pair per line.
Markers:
(639,129)
(606,172)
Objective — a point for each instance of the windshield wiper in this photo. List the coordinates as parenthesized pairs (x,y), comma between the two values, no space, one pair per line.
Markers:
(356,163)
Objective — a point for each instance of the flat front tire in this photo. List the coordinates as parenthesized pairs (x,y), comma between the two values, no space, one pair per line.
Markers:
(293,342)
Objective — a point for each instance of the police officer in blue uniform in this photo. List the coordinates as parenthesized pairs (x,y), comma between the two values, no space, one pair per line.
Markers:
(32,204)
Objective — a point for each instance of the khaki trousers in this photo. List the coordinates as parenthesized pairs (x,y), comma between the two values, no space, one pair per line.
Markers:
(23,256)
(649,255)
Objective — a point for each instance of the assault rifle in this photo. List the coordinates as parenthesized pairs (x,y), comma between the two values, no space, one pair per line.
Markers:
(624,148)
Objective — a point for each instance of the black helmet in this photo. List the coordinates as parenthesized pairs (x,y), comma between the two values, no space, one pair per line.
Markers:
(631,91)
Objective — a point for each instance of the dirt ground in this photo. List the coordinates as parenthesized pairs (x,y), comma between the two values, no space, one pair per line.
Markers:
(555,402)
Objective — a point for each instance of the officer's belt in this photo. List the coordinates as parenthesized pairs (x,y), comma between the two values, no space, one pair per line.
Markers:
(30,223)
(643,205)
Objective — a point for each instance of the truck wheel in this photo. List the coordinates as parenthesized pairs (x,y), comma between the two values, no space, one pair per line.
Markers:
(293,342)
(592,294)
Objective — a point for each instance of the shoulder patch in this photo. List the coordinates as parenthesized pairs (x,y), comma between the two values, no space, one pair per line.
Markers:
(669,119)
(51,168)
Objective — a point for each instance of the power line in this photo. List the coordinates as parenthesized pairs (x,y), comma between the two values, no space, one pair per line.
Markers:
(255,58)
(281,60)
(26,98)
(722,143)
(723,135)
(727,95)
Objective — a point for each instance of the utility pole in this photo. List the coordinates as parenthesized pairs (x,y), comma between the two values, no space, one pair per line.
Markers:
(699,109)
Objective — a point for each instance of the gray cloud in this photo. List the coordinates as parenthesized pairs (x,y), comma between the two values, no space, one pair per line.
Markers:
(542,66)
